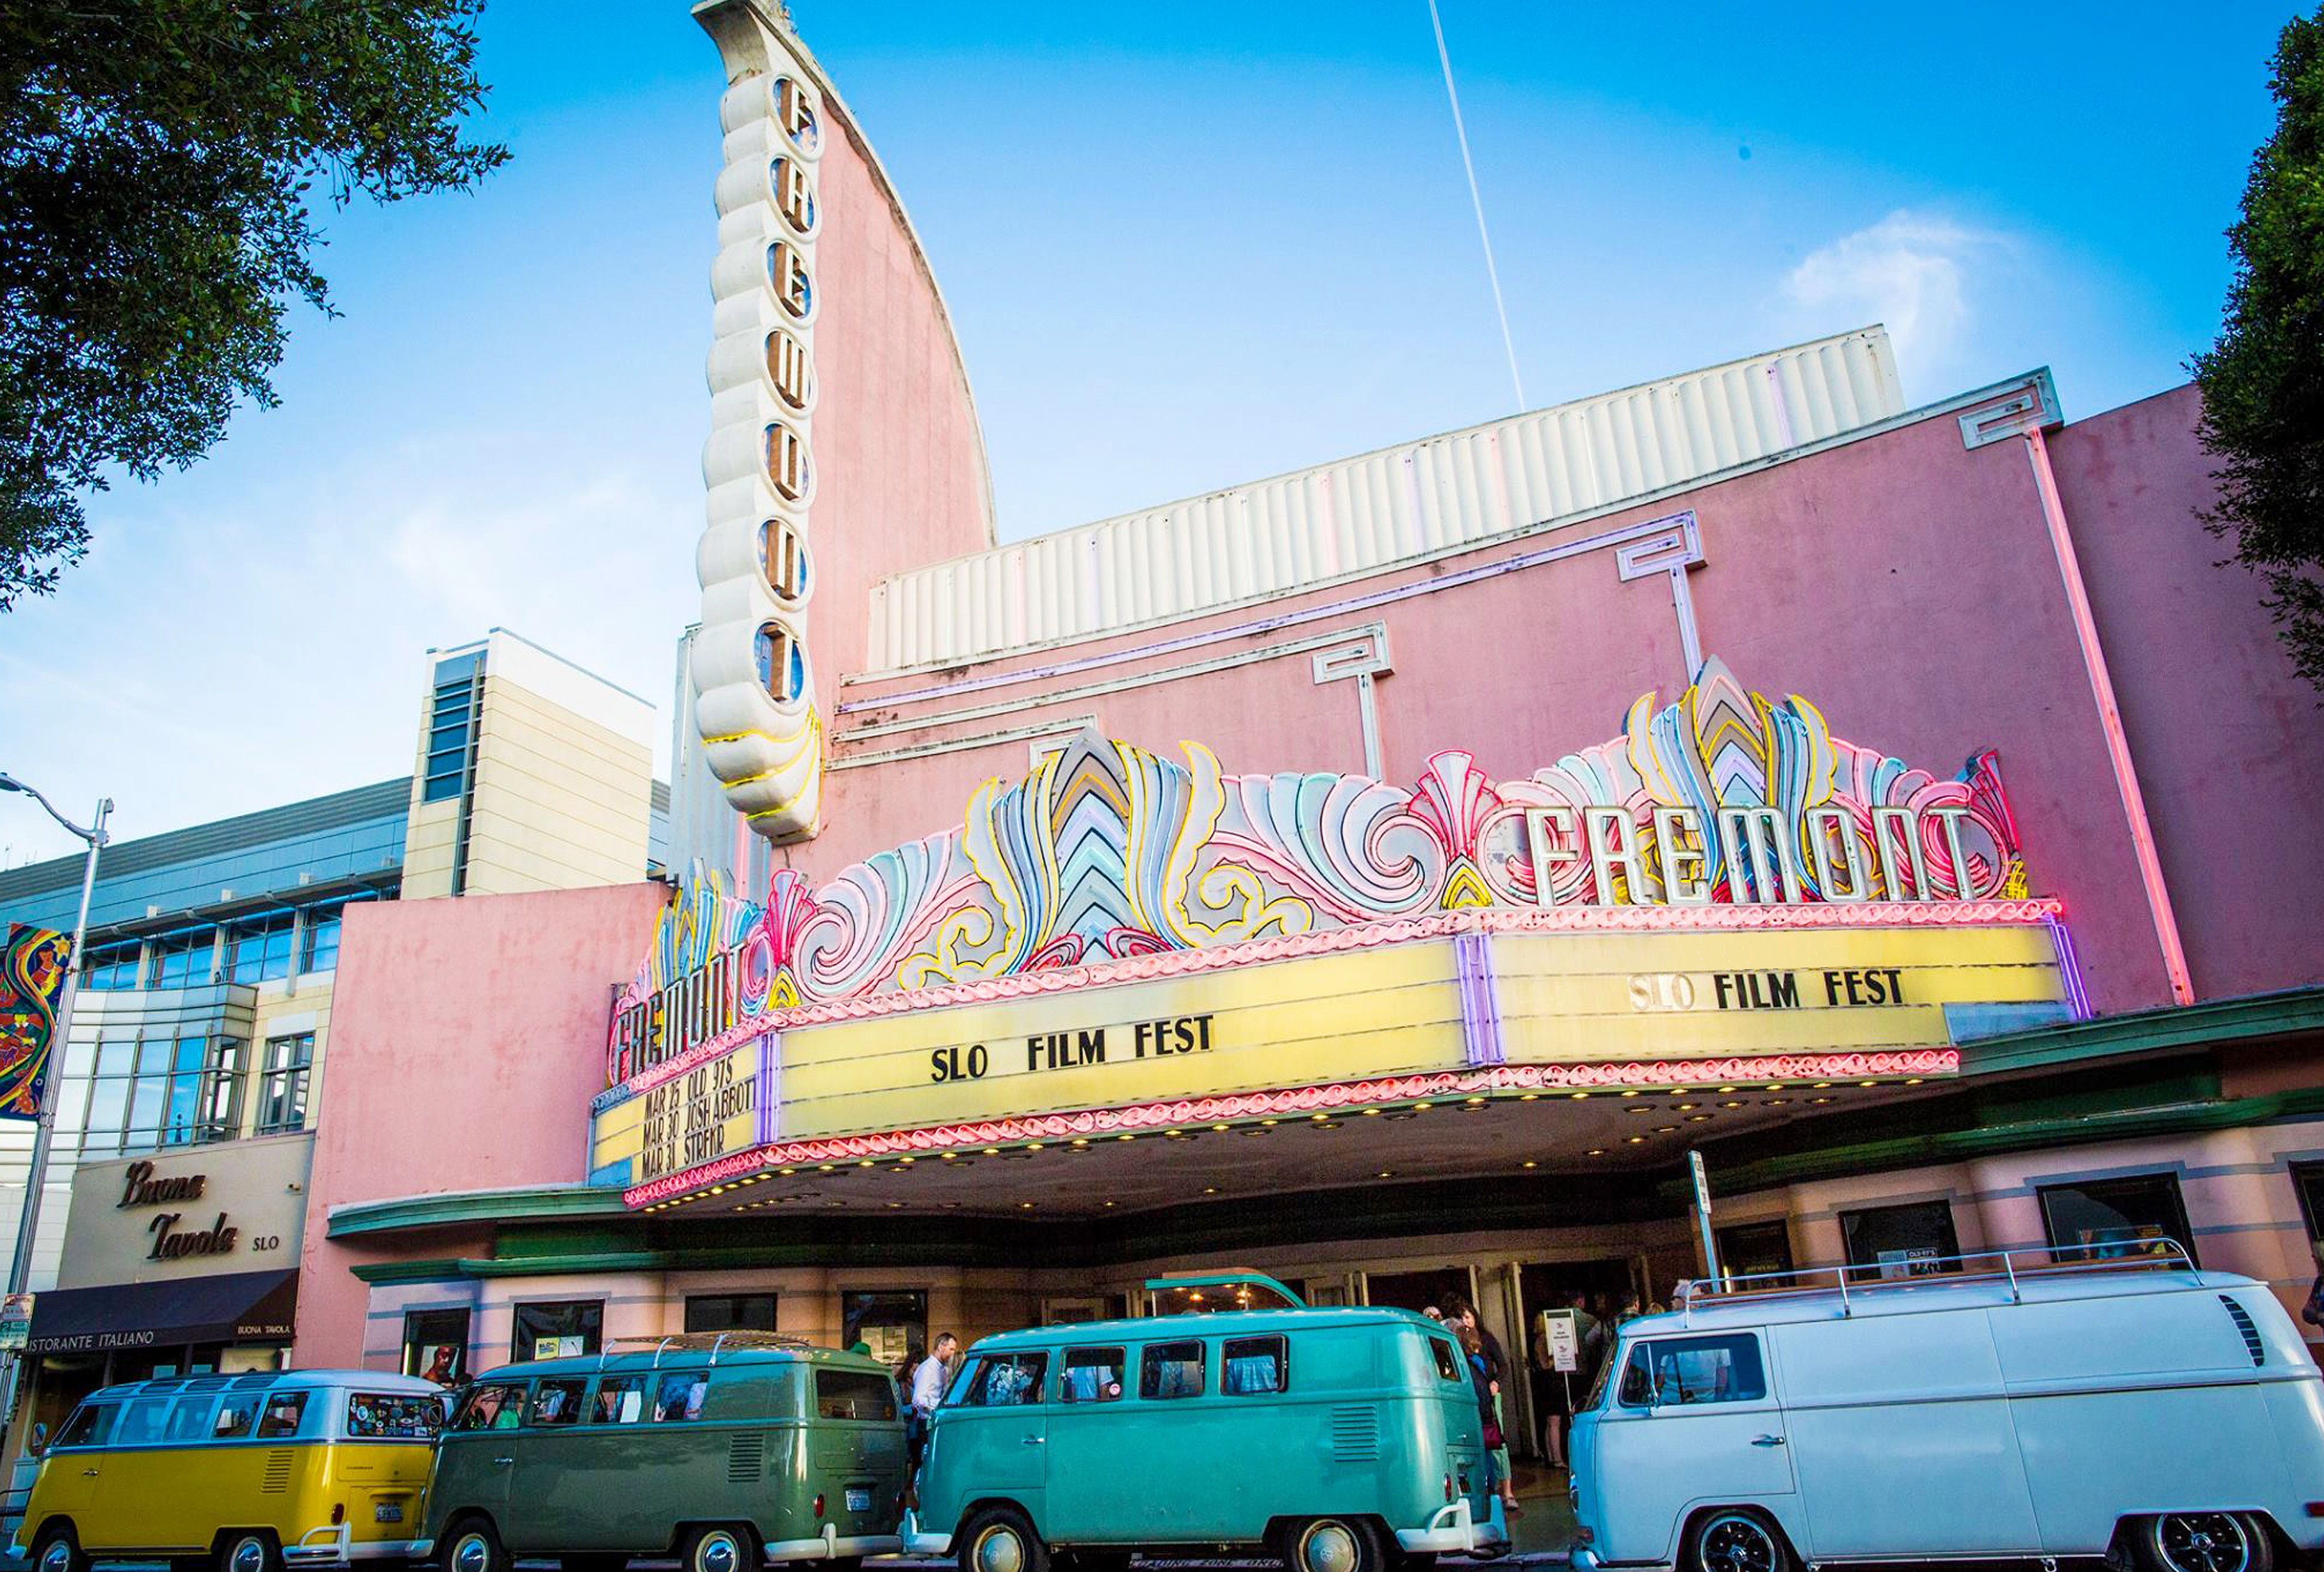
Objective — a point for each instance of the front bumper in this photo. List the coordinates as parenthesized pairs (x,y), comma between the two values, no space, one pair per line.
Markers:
(1454,1528)
(920,1543)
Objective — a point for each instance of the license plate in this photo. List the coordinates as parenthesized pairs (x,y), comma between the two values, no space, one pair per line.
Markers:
(859,1500)
(387,1512)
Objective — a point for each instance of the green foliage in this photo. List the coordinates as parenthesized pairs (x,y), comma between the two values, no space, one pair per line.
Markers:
(2263,381)
(161,161)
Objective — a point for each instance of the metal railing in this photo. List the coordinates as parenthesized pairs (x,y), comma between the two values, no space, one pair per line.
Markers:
(1846,1284)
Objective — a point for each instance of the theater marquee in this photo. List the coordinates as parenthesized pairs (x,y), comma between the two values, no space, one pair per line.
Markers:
(1725,885)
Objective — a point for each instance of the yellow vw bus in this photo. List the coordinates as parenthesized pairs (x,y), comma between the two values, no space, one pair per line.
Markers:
(260,1472)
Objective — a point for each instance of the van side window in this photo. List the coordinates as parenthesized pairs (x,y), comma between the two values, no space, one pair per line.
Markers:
(282,1415)
(90,1426)
(620,1400)
(1171,1370)
(1091,1376)
(680,1396)
(394,1416)
(190,1420)
(1671,1372)
(494,1406)
(140,1421)
(1006,1380)
(236,1416)
(555,1403)
(853,1394)
(1248,1366)
(1448,1361)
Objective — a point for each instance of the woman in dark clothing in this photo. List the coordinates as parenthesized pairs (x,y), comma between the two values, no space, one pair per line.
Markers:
(1472,1348)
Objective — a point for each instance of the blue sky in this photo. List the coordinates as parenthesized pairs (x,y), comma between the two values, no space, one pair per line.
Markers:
(1182,245)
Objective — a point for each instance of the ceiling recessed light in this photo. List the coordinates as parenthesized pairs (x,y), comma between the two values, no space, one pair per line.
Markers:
(1685,1108)
(1209,1190)
(1530,1097)
(1913,1081)
(1731,1103)
(1125,1137)
(1473,1101)
(1596,1152)
(826,1168)
(1029,1146)
(1696,1119)
(1775,1102)
(1629,1094)
(895,1205)
(1024,1205)
(1109,1203)
(1081,1141)
(863,1163)
(1270,1123)
(1371,1112)
(1328,1124)
(1637,1140)
(1218,1126)
(1385,1173)
(1868,1083)
(993,1151)
(1423,1106)
(1819,1099)
(1579,1096)
(1639,1108)
(1528,1162)
(1725,1089)
(1319,1118)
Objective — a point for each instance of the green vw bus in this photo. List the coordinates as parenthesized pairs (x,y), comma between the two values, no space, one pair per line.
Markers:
(1341,1440)
(723,1450)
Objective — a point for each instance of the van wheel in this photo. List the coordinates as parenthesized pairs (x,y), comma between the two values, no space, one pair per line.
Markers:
(472,1546)
(2205,1541)
(1732,1540)
(1000,1540)
(719,1548)
(249,1550)
(59,1550)
(1334,1544)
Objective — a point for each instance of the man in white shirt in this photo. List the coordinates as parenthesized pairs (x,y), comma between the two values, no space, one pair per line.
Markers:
(928,1378)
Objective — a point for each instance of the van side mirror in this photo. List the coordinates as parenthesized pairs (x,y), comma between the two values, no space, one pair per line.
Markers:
(39,1442)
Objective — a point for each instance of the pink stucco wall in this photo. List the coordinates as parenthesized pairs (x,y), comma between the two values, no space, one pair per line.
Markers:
(1902,582)
(899,461)
(462,1058)
(2225,734)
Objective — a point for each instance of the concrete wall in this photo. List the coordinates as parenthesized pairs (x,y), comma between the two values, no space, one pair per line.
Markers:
(458,1063)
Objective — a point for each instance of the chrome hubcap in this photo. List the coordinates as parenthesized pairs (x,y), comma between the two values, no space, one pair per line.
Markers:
(2210,1541)
(1736,1544)
(1328,1548)
(1000,1550)
(471,1554)
(57,1556)
(719,1552)
(248,1555)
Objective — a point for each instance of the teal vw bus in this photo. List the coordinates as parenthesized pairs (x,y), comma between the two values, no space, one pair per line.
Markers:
(723,1450)
(1341,1440)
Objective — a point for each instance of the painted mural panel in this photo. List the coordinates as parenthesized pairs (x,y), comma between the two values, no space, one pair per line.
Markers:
(33,965)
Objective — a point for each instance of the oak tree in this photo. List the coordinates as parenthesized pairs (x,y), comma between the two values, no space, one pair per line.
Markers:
(162,165)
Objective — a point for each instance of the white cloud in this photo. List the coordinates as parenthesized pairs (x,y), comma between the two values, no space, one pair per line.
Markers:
(1922,274)
(214,657)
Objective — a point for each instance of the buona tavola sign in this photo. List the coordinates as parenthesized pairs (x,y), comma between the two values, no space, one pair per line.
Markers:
(1106,852)
(180,1231)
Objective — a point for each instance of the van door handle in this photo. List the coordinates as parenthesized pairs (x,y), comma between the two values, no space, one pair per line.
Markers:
(1033,1440)
(1766,1440)
(502,1462)
(88,1474)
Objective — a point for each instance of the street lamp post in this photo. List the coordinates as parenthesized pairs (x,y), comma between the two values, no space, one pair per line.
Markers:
(20,1269)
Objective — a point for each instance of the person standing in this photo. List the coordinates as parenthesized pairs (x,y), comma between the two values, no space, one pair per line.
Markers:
(928,1379)
(1460,1312)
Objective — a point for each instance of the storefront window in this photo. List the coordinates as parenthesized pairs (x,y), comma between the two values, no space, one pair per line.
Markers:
(436,1345)
(283,1087)
(114,966)
(259,951)
(1759,1250)
(893,1322)
(2113,1219)
(2307,1180)
(163,1092)
(1901,1241)
(563,1330)
(730,1313)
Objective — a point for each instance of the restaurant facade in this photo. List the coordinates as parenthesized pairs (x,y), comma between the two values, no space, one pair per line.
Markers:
(1384,874)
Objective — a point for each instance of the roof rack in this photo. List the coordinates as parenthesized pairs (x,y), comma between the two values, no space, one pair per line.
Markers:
(2011,1266)
(714,1342)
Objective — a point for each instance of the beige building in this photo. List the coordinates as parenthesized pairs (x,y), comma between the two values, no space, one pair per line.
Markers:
(533,774)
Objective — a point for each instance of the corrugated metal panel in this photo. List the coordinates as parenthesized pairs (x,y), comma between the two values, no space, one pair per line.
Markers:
(1355,514)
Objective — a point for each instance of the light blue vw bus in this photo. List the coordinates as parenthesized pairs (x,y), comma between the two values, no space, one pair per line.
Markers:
(1341,1440)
